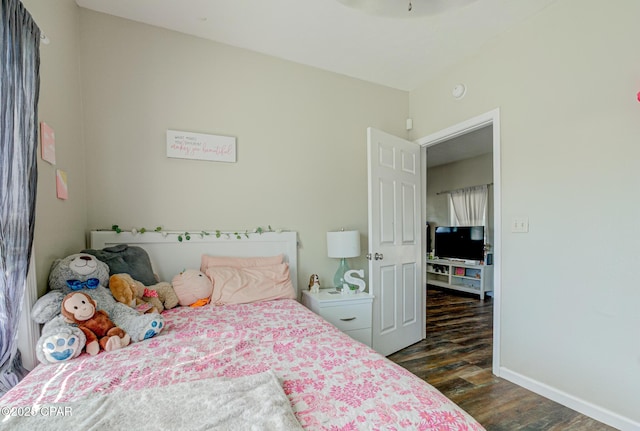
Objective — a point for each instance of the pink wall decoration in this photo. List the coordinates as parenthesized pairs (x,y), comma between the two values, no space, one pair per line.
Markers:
(62,191)
(47,143)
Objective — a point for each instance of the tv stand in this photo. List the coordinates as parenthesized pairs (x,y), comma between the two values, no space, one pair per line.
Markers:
(461,276)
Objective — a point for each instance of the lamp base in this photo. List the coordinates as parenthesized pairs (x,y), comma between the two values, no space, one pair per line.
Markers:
(338,278)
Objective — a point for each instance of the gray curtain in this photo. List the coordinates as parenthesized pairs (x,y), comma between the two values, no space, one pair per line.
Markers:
(19,90)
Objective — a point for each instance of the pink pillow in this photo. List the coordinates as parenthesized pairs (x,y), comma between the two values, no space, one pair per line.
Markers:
(239,262)
(250,284)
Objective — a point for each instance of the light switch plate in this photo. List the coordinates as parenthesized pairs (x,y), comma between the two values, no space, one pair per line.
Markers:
(520,225)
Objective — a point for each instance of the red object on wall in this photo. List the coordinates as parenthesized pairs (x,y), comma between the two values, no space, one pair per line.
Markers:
(638,96)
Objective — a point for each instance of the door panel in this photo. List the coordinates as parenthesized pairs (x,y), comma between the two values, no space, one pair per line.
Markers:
(409,162)
(387,156)
(388,296)
(409,200)
(409,309)
(387,211)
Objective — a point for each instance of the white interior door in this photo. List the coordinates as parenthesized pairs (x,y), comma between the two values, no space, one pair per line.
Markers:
(395,241)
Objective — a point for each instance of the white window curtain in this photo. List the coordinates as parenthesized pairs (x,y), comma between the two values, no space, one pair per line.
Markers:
(468,206)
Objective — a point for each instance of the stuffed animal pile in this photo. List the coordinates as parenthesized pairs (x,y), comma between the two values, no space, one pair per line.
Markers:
(60,340)
(95,304)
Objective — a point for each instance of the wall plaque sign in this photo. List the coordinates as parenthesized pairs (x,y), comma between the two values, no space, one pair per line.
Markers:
(200,146)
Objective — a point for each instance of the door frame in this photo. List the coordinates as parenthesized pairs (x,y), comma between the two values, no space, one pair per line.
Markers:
(489,118)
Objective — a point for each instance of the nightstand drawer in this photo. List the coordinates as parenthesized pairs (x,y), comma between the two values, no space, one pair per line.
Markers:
(351,313)
(348,317)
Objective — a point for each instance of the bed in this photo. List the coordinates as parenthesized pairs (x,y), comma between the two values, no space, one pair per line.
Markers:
(262,365)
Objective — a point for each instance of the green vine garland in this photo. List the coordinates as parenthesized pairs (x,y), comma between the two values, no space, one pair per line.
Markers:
(187,236)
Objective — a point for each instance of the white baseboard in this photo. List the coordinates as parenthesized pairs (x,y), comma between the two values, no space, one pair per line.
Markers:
(596,412)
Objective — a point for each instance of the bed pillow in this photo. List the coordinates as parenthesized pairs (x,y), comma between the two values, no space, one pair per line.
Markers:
(239,262)
(127,259)
(250,284)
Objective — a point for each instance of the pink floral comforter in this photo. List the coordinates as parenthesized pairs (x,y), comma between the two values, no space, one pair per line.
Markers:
(333,382)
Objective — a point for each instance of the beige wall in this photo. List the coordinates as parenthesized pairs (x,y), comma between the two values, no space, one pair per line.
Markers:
(566,84)
(60,225)
(457,175)
(301,137)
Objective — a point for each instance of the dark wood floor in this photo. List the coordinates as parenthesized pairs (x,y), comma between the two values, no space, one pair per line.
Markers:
(456,358)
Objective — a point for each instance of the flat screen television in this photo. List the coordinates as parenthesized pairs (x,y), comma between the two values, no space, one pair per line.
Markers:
(460,242)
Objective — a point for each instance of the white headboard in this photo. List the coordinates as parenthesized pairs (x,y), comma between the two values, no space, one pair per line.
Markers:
(170,256)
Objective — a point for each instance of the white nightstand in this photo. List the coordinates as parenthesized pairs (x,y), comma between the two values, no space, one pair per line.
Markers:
(349,312)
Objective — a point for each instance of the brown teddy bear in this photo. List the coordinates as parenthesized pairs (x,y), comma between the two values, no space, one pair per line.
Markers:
(146,299)
(101,332)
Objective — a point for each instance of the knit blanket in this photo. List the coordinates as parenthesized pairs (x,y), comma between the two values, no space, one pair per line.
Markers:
(242,403)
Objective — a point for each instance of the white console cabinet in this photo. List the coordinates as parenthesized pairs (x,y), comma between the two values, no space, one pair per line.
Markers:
(465,277)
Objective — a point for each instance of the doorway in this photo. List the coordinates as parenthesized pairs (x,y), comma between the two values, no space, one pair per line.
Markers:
(477,126)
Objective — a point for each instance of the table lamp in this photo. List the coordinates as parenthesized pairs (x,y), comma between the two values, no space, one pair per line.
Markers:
(342,245)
